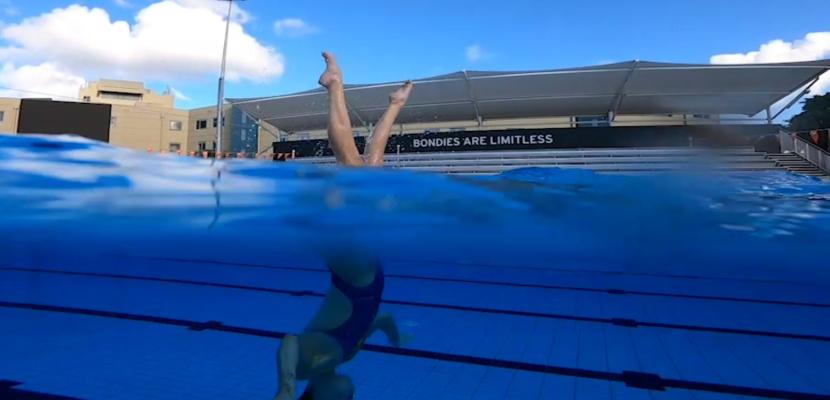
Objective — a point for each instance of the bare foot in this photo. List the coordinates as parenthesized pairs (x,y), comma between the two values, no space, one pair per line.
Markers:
(400,96)
(332,75)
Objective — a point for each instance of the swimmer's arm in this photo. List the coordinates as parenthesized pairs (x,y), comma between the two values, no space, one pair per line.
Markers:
(386,324)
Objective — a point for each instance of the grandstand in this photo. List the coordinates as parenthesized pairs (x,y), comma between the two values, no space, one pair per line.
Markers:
(635,116)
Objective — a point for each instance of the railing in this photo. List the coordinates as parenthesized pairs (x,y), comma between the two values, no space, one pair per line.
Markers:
(811,152)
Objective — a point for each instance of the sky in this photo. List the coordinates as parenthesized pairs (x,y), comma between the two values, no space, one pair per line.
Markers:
(51,47)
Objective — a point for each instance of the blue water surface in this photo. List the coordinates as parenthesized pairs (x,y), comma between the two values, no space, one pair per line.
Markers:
(131,275)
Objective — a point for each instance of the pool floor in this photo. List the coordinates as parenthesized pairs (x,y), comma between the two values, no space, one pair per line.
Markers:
(201,329)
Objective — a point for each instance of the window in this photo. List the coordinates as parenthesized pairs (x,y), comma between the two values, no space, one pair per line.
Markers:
(113,121)
(244,135)
(244,118)
(175,125)
(214,146)
(214,123)
(202,146)
(175,146)
(2,116)
(592,122)
(201,124)
(87,99)
(304,136)
(119,96)
(701,116)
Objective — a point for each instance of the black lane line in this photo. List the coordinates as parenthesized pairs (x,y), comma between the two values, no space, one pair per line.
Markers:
(8,391)
(613,291)
(622,322)
(639,380)
(521,285)
(516,268)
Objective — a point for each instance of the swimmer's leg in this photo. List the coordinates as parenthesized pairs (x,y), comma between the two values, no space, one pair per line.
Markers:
(376,145)
(310,355)
(287,360)
(386,324)
(329,387)
(340,126)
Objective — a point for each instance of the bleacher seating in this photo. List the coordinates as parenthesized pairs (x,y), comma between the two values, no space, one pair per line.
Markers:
(617,160)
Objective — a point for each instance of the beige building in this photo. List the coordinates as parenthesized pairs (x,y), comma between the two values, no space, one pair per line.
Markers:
(149,128)
(9,111)
(203,129)
(124,93)
(144,120)
(141,119)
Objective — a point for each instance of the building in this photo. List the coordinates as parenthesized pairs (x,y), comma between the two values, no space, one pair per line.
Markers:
(123,113)
(141,119)
(9,111)
(138,118)
(124,93)
(239,136)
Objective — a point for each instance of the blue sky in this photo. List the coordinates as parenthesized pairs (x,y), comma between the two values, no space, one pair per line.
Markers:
(381,40)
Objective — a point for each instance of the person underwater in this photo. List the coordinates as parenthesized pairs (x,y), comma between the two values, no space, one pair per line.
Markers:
(347,317)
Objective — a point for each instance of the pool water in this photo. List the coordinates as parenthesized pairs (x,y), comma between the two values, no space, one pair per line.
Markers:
(126,275)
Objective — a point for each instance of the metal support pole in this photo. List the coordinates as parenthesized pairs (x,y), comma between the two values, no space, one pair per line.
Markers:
(473,101)
(618,99)
(220,102)
(358,116)
(797,98)
(264,128)
(769,117)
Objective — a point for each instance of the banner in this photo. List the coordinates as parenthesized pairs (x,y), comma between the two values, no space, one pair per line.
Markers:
(554,138)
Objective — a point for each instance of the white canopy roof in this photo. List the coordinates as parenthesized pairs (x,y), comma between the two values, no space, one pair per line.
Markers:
(635,87)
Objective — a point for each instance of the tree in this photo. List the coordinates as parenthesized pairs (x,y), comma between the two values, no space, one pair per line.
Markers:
(816,115)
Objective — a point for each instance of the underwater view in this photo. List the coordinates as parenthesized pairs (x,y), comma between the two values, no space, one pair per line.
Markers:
(136,276)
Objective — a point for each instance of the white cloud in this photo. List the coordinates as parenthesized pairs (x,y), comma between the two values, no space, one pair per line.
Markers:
(294,27)
(476,53)
(169,40)
(122,3)
(44,80)
(814,46)
(179,95)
